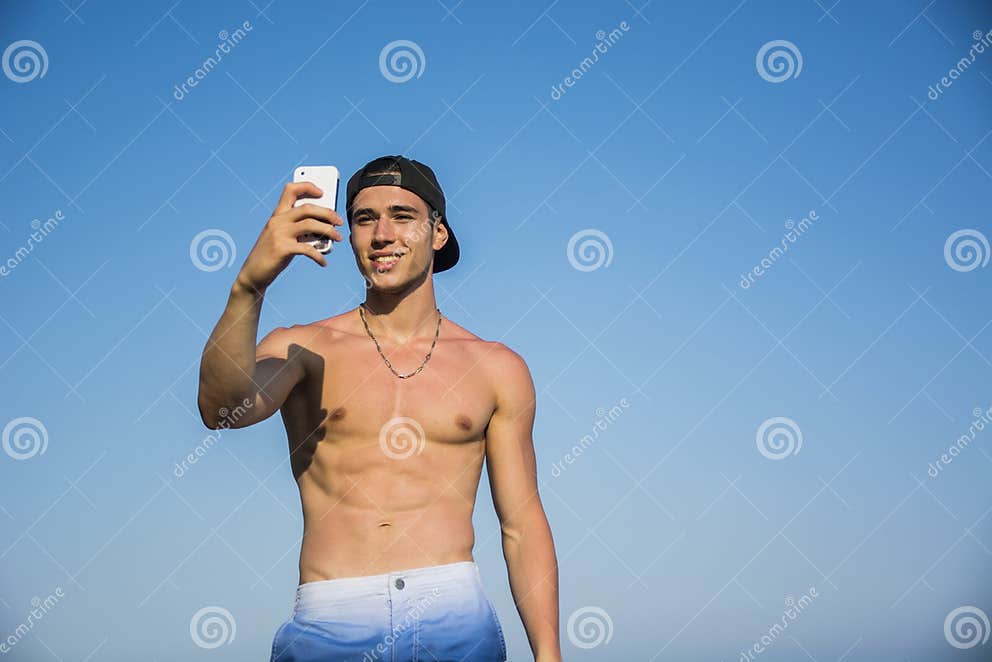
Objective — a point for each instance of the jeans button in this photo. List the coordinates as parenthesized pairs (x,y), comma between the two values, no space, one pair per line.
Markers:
(399,583)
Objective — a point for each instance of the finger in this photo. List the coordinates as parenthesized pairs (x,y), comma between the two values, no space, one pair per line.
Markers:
(310,210)
(306,249)
(293,190)
(316,227)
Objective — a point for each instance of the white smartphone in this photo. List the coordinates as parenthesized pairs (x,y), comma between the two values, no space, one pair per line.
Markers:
(326,178)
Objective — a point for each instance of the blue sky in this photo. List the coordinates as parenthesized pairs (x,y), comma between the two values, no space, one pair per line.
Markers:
(677,159)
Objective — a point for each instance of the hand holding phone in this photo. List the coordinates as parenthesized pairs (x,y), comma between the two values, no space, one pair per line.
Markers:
(326,178)
(294,224)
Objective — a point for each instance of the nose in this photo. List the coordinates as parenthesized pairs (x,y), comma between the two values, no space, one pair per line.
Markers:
(384,231)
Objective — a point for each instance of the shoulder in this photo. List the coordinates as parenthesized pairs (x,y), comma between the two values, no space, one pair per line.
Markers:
(505,359)
(285,340)
(505,369)
(496,357)
(329,327)
(509,373)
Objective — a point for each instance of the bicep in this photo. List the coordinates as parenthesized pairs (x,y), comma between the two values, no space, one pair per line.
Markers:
(510,457)
(278,369)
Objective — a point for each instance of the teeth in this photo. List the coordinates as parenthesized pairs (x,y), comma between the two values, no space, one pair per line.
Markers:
(389,258)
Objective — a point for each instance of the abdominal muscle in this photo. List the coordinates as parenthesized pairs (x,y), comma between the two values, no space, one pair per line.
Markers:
(366,513)
(377,498)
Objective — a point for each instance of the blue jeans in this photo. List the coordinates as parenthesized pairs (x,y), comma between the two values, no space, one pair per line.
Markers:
(431,614)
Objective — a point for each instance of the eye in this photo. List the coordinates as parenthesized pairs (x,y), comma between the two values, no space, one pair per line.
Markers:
(406,216)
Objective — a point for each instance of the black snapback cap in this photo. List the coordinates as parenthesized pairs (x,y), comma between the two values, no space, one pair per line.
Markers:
(415,177)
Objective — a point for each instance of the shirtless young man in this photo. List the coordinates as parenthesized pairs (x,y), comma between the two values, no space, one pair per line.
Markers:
(390,410)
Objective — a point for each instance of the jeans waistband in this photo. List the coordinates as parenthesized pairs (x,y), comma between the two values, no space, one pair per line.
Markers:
(311,595)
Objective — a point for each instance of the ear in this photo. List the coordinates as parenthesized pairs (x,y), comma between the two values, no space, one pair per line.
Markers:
(440,235)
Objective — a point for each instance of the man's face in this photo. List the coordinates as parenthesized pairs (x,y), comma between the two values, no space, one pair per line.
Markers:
(389,221)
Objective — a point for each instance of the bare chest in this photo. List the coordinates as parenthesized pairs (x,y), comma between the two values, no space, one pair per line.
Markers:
(350,397)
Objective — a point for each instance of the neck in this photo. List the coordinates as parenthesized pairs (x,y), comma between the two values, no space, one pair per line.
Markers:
(402,316)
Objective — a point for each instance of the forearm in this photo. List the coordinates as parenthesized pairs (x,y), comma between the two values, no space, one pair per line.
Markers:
(228,362)
(533,571)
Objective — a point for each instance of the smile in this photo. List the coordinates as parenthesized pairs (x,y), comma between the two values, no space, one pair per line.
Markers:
(385,263)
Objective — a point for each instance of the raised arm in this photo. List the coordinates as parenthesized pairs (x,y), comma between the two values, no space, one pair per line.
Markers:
(232,370)
(528,546)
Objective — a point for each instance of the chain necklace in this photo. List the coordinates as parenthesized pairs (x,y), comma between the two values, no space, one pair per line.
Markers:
(361,311)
